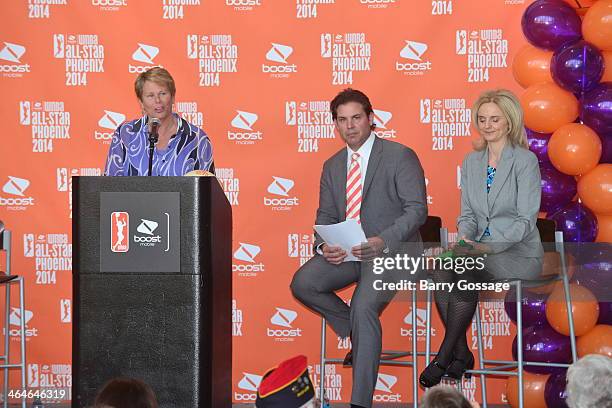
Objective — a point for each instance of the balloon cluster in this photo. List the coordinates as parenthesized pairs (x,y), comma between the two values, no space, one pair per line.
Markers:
(566,70)
(545,339)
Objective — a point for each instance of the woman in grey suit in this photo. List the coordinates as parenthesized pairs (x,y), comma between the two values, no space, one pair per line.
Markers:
(500,201)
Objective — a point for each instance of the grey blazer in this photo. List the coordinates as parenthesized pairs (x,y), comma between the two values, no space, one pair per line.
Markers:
(394,201)
(510,209)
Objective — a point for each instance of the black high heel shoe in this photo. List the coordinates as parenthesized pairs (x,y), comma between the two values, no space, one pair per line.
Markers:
(432,374)
(458,367)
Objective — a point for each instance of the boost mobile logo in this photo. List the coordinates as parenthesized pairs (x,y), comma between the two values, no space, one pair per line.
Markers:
(247,253)
(16,186)
(145,53)
(15,320)
(147,227)
(421,322)
(413,51)
(381,119)
(284,318)
(249,382)
(111,120)
(244,120)
(385,383)
(12,52)
(279,53)
(281,187)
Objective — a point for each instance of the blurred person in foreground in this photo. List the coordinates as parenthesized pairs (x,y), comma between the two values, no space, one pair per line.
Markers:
(123,392)
(500,201)
(444,396)
(589,382)
(182,147)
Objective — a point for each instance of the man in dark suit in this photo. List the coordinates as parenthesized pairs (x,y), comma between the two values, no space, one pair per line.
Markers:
(380,184)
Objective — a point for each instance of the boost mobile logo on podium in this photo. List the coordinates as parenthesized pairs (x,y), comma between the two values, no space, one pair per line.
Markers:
(281,187)
(385,383)
(249,382)
(284,318)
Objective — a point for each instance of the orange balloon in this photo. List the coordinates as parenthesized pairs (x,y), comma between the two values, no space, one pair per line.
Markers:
(547,107)
(581,6)
(597,341)
(585,310)
(574,149)
(607,75)
(604,228)
(533,390)
(597,25)
(595,189)
(531,66)
(551,265)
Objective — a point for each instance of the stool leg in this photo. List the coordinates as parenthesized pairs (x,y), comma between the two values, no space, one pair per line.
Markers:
(428,330)
(415,357)
(519,341)
(322,373)
(7,336)
(483,378)
(23,339)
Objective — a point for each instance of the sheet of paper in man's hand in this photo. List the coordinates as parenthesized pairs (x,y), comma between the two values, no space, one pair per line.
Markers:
(346,235)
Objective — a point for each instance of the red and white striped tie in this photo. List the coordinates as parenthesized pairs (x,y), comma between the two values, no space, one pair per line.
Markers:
(353,189)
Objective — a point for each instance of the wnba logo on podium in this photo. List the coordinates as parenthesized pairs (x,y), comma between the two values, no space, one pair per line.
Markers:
(120,225)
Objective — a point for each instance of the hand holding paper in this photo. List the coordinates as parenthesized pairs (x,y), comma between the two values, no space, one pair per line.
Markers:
(345,235)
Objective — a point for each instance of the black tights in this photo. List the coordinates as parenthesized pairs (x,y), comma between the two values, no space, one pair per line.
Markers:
(456,309)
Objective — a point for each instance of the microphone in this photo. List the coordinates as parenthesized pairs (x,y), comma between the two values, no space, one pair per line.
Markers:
(153,127)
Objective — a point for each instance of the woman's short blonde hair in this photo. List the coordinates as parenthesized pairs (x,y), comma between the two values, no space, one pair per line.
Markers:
(509,104)
(158,75)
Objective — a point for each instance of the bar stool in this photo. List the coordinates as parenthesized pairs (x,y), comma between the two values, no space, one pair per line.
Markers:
(433,235)
(552,241)
(7,279)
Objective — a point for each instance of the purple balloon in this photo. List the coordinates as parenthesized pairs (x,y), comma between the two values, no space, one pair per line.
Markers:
(594,270)
(606,148)
(538,143)
(577,67)
(596,109)
(577,222)
(551,24)
(542,344)
(605,313)
(554,391)
(558,189)
(533,307)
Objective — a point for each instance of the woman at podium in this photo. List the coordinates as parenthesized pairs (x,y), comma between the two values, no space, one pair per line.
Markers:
(181,147)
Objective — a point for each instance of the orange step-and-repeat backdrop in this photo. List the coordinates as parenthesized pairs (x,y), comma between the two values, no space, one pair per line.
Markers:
(257,76)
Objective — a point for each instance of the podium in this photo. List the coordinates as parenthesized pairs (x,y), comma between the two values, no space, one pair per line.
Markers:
(152,288)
